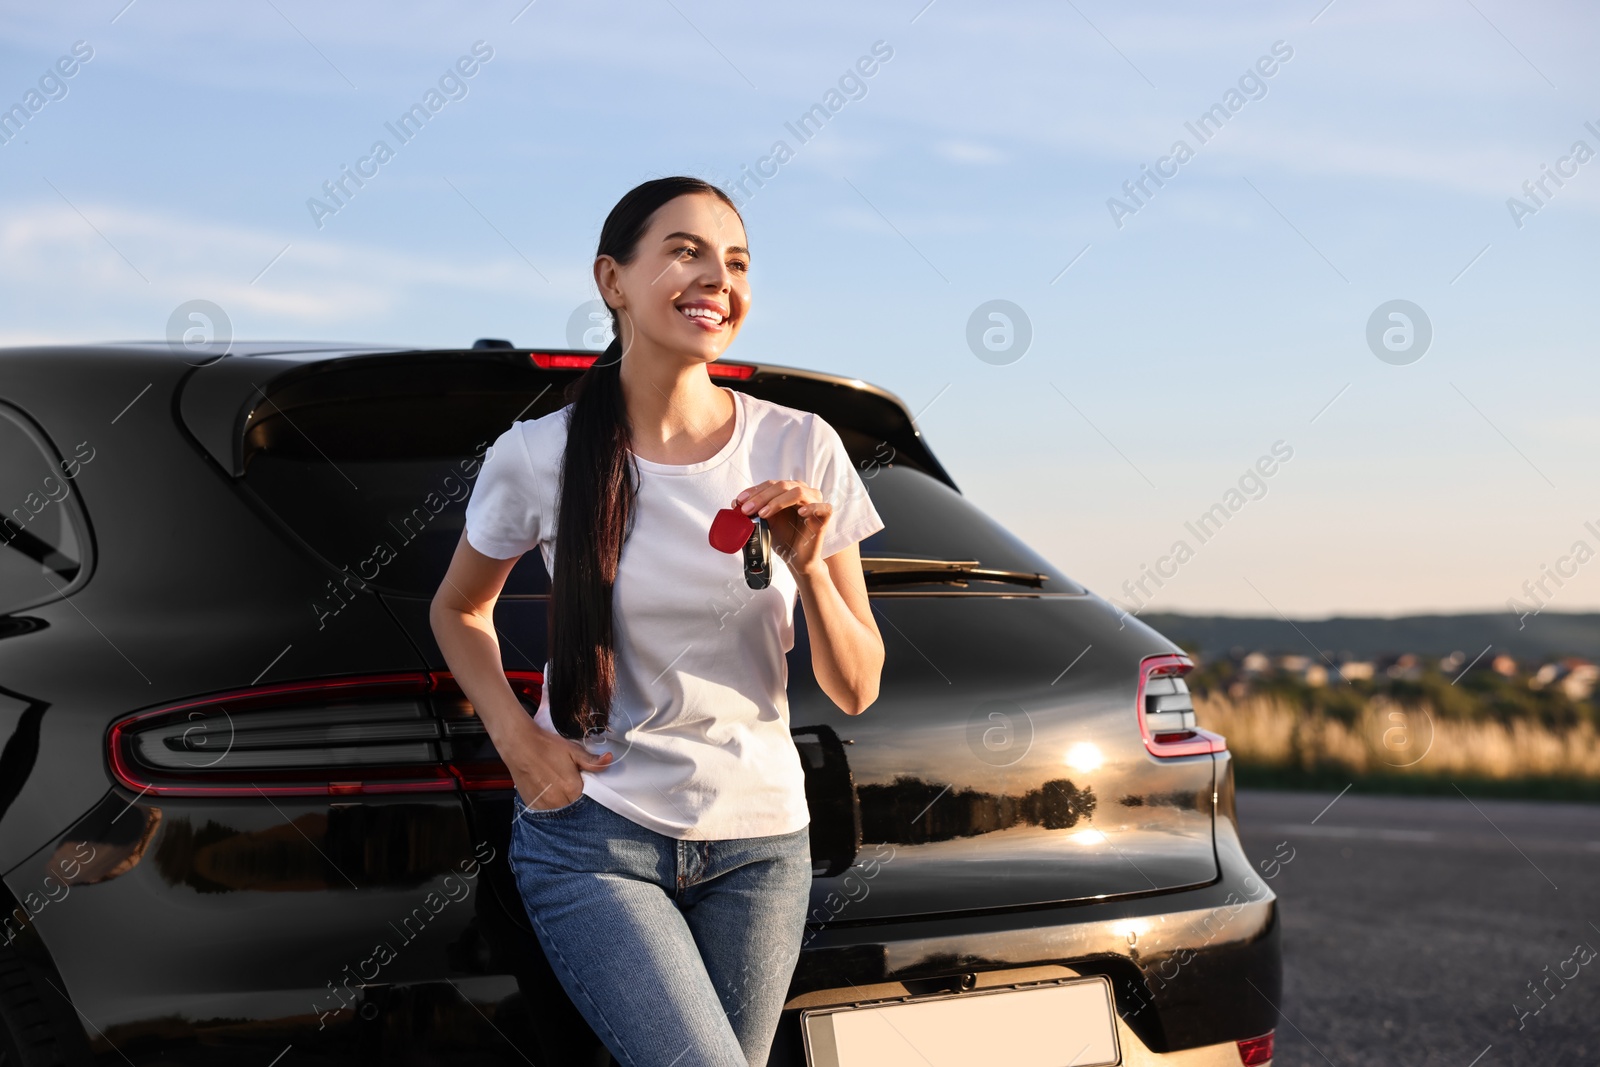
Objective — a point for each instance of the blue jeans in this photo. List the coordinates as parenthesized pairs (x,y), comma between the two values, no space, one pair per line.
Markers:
(678,953)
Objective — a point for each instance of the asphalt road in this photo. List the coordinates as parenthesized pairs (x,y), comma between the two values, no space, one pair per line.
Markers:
(1412,928)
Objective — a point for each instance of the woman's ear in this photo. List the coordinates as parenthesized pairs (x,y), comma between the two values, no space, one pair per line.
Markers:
(606,280)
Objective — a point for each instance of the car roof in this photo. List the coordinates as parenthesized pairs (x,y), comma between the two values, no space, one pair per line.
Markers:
(320,350)
(220,407)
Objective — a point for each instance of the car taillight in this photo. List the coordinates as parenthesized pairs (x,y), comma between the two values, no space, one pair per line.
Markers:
(387,733)
(471,755)
(564,360)
(1166,714)
(1254,1051)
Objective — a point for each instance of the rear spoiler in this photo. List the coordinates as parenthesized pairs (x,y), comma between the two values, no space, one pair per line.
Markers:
(218,401)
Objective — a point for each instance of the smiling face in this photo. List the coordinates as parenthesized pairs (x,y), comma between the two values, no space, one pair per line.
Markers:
(687,291)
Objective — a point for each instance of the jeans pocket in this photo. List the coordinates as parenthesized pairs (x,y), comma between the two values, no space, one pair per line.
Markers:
(527,814)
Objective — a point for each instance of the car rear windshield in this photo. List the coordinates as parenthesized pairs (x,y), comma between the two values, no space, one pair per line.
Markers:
(371,469)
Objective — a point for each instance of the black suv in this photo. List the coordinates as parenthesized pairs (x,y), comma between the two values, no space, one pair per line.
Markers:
(246,813)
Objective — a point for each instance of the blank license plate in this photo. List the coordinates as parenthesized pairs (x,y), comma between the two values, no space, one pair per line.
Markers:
(1070,1024)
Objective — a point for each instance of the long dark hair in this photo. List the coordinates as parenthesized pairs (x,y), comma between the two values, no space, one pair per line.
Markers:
(597,491)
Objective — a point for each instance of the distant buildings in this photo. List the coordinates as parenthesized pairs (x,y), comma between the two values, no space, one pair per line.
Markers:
(1404,667)
(1575,677)
(1357,670)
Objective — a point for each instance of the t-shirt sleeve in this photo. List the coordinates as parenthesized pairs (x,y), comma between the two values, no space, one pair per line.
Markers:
(504,513)
(836,478)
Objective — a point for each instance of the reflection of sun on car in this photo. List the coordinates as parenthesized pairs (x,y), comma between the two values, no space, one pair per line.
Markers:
(218,681)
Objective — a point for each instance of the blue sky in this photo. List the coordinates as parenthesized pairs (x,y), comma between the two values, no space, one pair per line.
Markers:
(1226,313)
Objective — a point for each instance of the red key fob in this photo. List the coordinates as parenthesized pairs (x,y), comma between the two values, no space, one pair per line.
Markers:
(730,530)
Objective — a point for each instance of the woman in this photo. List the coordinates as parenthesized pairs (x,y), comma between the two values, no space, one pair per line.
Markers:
(660,836)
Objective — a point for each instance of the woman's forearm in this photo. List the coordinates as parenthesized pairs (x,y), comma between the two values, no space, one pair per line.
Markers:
(472,652)
(846,654)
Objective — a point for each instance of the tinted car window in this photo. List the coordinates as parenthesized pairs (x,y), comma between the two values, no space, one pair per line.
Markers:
(924,518)
(43,534)
(378,484)
(374,476)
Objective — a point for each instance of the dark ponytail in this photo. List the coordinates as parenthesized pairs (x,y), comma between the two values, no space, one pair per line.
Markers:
(597,491)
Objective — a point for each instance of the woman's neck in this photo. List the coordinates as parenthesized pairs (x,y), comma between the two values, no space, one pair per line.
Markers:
(676,413)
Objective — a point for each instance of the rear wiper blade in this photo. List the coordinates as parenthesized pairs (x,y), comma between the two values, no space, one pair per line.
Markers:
(901,570)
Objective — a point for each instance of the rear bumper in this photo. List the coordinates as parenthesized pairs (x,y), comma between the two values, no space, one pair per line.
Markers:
(1192,972)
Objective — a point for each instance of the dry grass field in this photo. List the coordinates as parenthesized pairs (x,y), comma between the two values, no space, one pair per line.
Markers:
(1274,740)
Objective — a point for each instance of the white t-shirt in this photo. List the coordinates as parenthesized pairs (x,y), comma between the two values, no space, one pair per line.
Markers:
(699,725)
